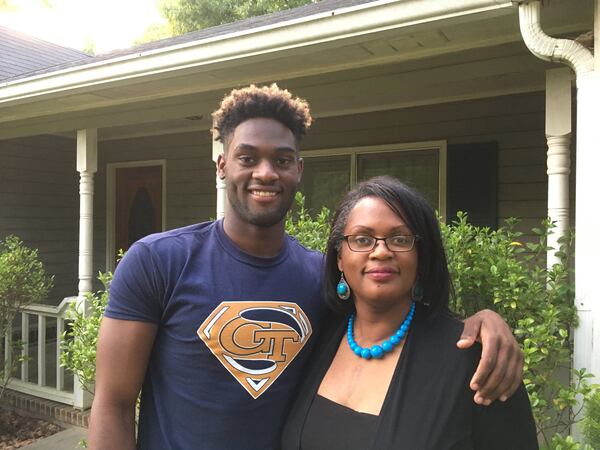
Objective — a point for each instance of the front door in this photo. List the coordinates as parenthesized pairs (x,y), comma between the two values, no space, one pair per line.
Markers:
(138,206)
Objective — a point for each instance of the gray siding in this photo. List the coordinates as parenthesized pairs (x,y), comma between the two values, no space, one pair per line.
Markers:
(39,203)
(515,122)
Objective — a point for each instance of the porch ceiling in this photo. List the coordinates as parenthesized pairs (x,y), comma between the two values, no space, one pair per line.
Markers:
(456,58)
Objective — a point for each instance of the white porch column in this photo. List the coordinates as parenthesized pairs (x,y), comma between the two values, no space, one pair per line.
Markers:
(586,66)
(221,185)
(587,222)
(587,216)
(558,135)
(87,165)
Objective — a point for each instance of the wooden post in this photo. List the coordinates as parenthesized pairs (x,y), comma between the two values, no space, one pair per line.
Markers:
(87,165)
(558,135)
(221,184)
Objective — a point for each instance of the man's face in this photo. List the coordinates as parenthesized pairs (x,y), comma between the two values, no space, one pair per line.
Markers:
(262,169)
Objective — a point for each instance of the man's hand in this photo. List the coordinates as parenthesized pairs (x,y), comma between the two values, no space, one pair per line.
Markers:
(500,370)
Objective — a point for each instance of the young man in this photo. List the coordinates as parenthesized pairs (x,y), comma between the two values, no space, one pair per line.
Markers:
(215,320)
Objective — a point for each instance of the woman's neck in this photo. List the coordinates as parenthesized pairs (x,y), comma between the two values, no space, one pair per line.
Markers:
(374,325)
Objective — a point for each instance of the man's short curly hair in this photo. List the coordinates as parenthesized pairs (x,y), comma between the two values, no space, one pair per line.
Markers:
(266,101)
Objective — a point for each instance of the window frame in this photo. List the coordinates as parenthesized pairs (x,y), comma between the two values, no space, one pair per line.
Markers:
(440,146)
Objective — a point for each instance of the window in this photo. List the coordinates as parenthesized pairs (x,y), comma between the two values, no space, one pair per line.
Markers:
(325,179)
(328,174)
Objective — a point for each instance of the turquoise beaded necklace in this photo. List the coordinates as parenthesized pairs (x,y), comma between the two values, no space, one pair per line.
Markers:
(377,351)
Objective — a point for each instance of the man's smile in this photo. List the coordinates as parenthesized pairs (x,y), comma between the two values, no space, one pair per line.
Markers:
(263,193)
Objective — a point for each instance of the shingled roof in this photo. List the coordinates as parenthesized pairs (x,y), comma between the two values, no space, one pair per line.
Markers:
(221,30)
(21,55)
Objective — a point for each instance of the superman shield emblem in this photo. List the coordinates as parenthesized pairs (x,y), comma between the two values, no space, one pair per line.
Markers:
(256,341)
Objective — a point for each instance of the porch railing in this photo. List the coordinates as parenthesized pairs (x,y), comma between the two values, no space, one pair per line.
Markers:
(40,330)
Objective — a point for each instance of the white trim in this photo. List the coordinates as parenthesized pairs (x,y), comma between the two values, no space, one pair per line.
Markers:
(111,170)
(321,28)
(440,146)
(44,392)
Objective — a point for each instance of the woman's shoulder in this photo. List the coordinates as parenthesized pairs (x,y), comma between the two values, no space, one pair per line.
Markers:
(443,323)
(438,332)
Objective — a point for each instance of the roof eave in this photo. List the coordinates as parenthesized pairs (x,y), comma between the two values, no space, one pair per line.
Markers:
(315,29)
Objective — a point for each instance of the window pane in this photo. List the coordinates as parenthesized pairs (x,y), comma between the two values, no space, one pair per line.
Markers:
(325,180)
(418,169)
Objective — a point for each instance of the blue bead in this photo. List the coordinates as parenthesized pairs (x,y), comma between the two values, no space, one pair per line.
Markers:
(342,289)
(376,351)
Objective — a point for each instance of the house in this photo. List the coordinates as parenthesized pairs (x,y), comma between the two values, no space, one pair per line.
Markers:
(445,95)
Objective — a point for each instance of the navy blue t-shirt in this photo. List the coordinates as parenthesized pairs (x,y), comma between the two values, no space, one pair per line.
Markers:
(234,333)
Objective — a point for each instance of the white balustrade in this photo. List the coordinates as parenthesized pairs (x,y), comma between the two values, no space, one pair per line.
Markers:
(37,316)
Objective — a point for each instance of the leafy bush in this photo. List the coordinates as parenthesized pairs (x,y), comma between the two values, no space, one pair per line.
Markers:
(495,269)
(81,337)
(310,232)
(23,281)
(591,422)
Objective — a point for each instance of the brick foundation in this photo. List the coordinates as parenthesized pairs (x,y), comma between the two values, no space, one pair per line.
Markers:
(50,411)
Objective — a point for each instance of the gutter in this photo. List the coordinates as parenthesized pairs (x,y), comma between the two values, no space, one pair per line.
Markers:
(564,51)
(323,27)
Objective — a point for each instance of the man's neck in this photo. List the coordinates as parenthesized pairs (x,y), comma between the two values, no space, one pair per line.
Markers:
(263,242)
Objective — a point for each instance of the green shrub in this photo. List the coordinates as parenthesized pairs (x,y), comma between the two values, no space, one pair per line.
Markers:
(310,232)
(81,337)
(494,269)
(560,442)
(591,421)
(23,281)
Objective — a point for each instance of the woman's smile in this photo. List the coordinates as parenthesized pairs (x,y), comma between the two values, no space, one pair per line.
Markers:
(381,273)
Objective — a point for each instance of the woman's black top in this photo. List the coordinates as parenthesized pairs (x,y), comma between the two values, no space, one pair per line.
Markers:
(331,425)
(429,405)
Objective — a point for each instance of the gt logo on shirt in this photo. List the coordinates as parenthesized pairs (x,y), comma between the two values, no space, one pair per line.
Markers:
(256,341)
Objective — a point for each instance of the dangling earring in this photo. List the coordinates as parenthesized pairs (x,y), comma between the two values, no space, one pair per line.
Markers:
(343,290)
(416,291)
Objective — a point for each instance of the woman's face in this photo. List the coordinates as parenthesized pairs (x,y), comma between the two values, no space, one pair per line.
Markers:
(380,276)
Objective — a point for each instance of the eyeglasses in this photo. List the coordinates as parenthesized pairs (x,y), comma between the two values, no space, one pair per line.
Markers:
(366,243)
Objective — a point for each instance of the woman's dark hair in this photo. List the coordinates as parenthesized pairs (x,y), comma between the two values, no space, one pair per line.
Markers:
(413,209)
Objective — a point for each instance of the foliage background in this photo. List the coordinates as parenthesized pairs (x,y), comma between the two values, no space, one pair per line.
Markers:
(185,16)
(23,281)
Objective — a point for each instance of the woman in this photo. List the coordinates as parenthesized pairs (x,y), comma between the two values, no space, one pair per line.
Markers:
(387,373)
